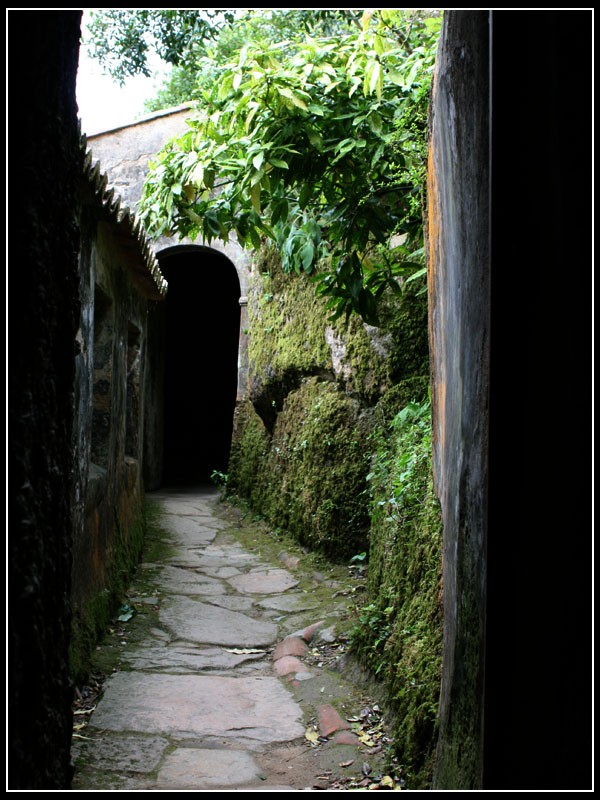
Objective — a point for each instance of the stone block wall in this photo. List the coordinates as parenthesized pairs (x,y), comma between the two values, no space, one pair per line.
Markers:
(117,383)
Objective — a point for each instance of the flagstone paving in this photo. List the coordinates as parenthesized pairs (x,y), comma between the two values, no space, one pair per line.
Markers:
(216,681)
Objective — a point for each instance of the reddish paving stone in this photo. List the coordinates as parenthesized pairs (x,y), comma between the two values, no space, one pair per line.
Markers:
(330,721)
(287,665)
(308,633)
(291,646)
(345,737)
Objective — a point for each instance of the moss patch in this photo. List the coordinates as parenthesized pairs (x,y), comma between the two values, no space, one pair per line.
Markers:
(291,336)
(300,452)
(249,450)
(91,619)
(309,477)
(318,462)
(399,632)
(405,318)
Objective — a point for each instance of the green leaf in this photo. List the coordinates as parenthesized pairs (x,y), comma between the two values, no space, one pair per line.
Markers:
(255,237)
(278,162)
(280,212)
(376,79)
(307,254)
(197,175)
(314,138)
(366,18)
(258,160)
(397,78)
(417,275)
(379,44)
(193,216)
(305,195)
(255,197)
(367,306)
(211,223)
(284,91)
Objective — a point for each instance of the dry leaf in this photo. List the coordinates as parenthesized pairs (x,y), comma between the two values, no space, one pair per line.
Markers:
(312,736)
(366,740)
(245,651)
(347,763)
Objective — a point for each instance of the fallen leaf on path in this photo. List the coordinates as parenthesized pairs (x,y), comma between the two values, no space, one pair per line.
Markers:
(126,613)
(365,739)
(243,651)
(84,711)
(347,763)
(312,736)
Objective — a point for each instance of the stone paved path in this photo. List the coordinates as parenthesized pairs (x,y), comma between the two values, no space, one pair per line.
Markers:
(215,687)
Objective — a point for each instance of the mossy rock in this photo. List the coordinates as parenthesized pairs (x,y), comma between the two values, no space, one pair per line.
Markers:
(291,336)
(249,451)
(410,390)
(309,477)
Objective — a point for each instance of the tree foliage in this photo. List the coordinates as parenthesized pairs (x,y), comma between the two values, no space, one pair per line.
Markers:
(185,82)
(316,143)
(122,39)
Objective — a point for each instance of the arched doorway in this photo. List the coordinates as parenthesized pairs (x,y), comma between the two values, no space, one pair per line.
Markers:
(202,322)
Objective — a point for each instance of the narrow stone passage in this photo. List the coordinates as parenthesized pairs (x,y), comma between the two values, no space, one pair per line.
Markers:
(222,670)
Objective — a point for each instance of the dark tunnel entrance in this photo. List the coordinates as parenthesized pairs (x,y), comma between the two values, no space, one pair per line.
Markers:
(202,323)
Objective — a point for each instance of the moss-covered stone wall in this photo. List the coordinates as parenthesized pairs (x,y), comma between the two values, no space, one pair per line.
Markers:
(399,630)
(301,449)
(310,473)
(291,336)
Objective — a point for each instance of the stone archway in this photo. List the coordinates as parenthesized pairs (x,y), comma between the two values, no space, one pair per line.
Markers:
(202,332)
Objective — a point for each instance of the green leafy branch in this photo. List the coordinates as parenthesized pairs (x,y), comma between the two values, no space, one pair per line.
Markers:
(316,145)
